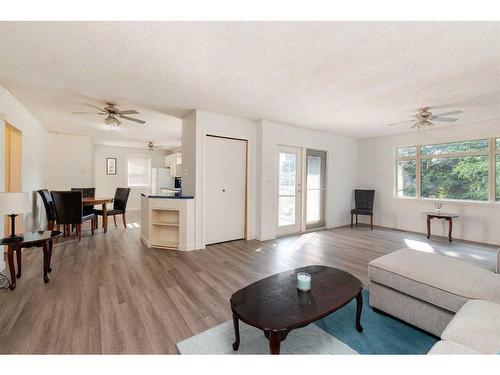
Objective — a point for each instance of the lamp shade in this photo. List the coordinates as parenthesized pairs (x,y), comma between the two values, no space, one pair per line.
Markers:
(14,203)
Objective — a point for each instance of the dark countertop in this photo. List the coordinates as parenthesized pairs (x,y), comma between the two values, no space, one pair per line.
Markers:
(168,196)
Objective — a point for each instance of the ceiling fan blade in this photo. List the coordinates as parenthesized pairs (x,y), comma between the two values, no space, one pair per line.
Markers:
(448,113)
(415,125)
(443,119)
(133,119)
(95,107)
(87,113)
(400,123)
(128,112)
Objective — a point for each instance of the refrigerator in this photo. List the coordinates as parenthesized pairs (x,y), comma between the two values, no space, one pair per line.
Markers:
(161,181)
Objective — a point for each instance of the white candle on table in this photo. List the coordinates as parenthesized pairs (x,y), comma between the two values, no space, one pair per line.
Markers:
(303,281)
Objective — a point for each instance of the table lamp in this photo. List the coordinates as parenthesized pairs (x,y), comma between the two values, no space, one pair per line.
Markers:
(12,204)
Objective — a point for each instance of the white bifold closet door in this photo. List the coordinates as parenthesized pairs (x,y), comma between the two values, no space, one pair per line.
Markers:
(225,189)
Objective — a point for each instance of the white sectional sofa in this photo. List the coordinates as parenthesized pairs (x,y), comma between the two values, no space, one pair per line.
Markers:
(475,329)
(427,290)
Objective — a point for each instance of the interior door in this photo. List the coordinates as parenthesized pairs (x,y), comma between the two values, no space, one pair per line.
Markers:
(225,189)
(289,189)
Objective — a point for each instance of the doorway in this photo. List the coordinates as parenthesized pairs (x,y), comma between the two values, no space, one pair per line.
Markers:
(301,189)
(315,189)
(289,189)
(13,169)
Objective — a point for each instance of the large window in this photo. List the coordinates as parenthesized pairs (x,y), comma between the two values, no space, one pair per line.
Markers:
(139,169)
(456,170)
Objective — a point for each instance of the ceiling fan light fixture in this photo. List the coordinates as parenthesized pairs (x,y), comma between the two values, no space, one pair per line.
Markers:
(112,120)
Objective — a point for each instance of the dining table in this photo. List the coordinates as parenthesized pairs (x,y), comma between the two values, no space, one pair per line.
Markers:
(103,201)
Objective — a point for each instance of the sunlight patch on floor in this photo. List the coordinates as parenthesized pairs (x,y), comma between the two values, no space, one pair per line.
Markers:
(302,240)
(419,245)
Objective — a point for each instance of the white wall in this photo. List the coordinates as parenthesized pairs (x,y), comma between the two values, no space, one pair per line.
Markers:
(198,126)
(71,161)
(263,136)
(478,221)
(189,153)
(34,152)
(342,155)
(106,184)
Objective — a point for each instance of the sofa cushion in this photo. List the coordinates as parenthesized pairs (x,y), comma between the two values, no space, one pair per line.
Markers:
(438,279)
(449,347)
(477,326)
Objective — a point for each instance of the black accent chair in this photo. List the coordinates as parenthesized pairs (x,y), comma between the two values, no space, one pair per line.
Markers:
(69,211)
(49,208)
(119,206)
(363,202)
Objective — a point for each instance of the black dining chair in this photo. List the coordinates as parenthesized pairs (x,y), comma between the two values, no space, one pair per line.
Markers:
(69,211)
(48,204)
(363,205)
(119,206)
(87,193)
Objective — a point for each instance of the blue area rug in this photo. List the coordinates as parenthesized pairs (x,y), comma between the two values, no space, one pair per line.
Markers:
(381,334)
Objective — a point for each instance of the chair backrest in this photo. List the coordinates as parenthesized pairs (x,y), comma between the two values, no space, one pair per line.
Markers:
(68,206)
(87,192)
(121,198)
(363,199)
(48,204)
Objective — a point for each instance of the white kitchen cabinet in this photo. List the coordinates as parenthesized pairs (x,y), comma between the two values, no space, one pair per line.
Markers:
(174,163)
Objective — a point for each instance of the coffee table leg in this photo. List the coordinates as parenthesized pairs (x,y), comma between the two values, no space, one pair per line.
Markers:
(274,342)
(359,307)
(428,227)
(236,324)
(450,228)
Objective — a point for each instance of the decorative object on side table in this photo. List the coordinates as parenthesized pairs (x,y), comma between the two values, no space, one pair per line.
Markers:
(111,166)
(13,204)
(304,282)
(437,206)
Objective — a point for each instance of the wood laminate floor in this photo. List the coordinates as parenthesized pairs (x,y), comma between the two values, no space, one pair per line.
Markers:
(111,294)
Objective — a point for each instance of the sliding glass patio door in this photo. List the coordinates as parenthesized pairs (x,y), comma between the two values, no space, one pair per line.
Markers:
(315,189)
(289,189)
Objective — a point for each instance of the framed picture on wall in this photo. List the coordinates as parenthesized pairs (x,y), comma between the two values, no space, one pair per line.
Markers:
(110,165)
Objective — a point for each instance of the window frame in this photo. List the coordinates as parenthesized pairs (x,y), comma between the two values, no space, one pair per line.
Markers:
(491,154)
(136,157)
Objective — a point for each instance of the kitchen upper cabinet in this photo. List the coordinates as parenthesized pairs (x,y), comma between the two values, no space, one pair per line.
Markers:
(174,162)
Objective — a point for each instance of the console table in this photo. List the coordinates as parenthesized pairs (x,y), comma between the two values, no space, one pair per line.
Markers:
(41,239)
(434,215)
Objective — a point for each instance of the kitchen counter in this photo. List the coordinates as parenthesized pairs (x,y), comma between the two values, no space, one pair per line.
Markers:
(168,222)
(163,196)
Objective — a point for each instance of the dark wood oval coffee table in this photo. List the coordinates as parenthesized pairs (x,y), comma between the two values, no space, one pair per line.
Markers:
(275,306)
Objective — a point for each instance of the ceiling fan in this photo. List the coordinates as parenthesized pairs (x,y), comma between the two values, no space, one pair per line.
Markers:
(113,114)
(152,147)
(425,119)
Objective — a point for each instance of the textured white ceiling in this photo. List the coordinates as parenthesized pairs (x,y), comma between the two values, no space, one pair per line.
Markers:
(350,78)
